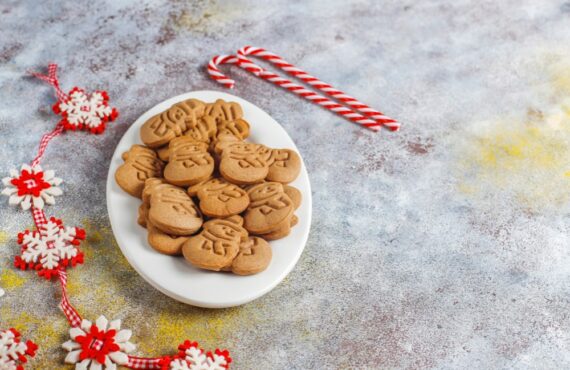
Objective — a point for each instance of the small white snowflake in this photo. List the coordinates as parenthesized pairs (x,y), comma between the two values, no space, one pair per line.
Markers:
(82,110)
(13,352)
(98,346)
(51,247)
(192,357)
(31,186)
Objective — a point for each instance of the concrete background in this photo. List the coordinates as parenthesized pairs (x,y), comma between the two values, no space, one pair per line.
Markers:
(444,245)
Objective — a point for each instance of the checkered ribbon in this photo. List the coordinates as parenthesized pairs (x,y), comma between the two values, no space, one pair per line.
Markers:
(44,143)
(39,217)
(51,78)
(345,105)
(143,363)
(70,312)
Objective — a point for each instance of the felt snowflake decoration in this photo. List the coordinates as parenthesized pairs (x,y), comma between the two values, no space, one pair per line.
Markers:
(191,357)
(81,111)
(13,351)
(98,346)
(31,186)
(50,248)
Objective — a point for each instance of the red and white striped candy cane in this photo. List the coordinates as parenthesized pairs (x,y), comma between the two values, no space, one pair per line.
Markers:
(368,117)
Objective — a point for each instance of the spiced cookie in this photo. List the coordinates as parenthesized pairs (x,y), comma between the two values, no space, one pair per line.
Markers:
(243,163)
(163,242)
(222,110)
(173,122)
(219,198)
(270,208)
(217,244)
(254,256)
(189,162)
(284,165)
(141,163)
(173,211)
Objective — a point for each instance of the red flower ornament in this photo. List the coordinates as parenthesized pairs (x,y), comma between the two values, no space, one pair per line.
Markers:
(31,186)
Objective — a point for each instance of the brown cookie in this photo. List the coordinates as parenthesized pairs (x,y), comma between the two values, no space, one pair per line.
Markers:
(143,214)
(222,110)
(243,163)
(281,232)
(217,244)
(270,208)
(238,128)
(284,165)
(294,194)
(165,243)
(163,153)
(204,129)
(141,163)
(173,211)
(189,162)
(219,198)
(254,256)
(173,122)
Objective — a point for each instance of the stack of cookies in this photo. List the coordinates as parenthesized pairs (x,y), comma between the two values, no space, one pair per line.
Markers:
(206,193)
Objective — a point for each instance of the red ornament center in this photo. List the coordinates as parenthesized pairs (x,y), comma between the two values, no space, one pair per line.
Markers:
(85,108)
(97,344)
(30,183)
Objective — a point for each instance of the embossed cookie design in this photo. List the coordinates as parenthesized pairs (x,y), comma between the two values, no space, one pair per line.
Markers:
(141,163)
(243,163)
(222,110)
(284,166)
(269,209)
(165,243)
(217,244)
(254,256)
(238,128)
(204,129)
(163,127)
(173,211)
(219,198)
(189,162)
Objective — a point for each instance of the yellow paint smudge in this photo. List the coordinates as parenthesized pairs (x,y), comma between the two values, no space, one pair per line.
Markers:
(11,279)
(4,237)
(528,159)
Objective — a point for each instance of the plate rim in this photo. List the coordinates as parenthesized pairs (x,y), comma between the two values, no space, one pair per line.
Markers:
(307,198)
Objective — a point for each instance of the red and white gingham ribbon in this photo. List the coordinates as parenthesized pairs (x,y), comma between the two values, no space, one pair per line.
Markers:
(44,143)
(353,110)
(143,363)
(70,312)
(51,78)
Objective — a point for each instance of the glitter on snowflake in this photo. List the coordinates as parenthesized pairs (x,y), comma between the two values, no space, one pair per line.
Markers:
(191,357)
(81,111)
(31,186)
(50,248)
(102,345)
(13,351)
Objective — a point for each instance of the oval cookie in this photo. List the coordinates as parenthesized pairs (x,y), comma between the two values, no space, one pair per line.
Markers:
(219,198)
(254,256)
(189,162)
(173,211)
(217,244)
(243,163)
(141,163)
(269,209)
(165,243)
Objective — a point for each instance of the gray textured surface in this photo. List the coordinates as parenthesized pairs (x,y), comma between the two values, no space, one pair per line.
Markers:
(442,246)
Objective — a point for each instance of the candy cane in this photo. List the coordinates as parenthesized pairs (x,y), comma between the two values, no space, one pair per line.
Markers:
(370,118)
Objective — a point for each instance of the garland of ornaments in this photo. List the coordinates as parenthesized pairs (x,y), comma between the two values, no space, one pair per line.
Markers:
(53,247)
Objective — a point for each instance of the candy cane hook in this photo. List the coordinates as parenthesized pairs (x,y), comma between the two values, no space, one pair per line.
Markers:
(368,117)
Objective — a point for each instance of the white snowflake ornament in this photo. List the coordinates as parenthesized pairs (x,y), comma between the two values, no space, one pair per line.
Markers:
(81,111)
(51,248)
(13,351)
(31,186)
(98,346)
(191,357)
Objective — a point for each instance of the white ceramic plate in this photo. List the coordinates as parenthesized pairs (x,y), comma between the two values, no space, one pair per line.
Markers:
(173,275)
